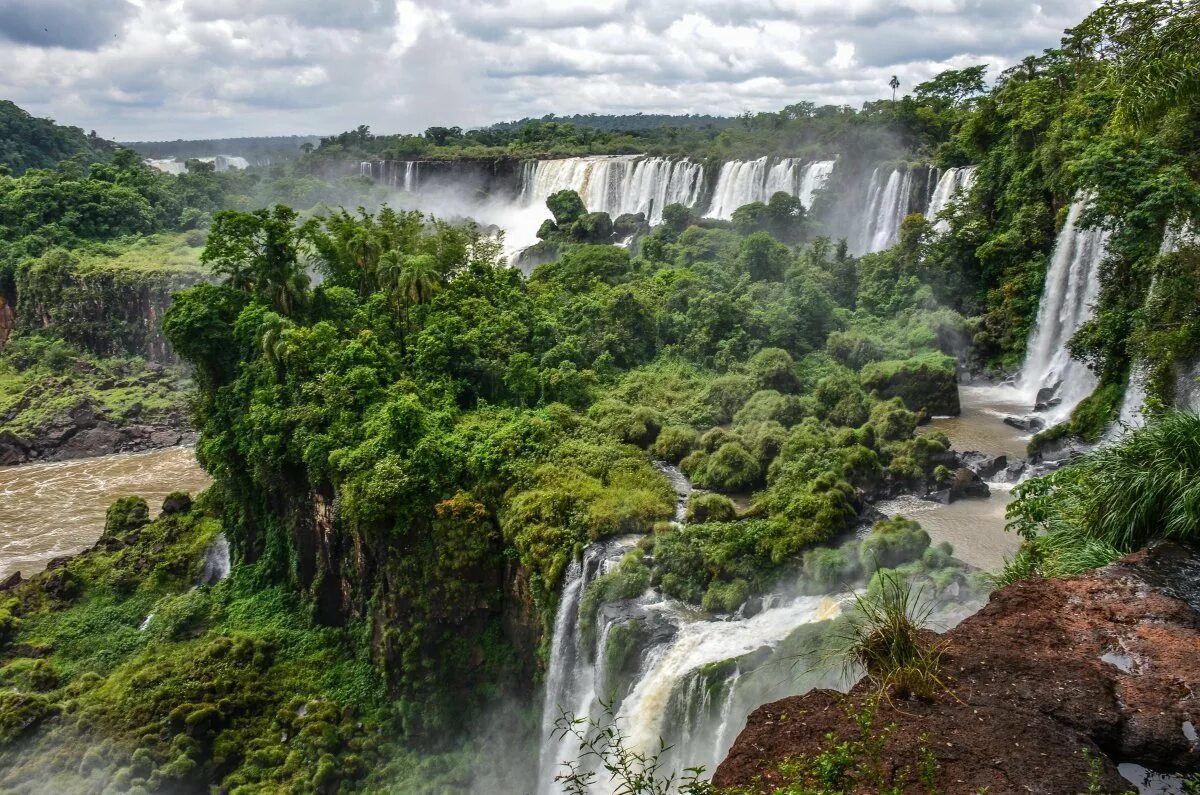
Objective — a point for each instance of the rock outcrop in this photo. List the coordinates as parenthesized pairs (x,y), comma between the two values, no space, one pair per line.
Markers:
(1049,674)
(85,431)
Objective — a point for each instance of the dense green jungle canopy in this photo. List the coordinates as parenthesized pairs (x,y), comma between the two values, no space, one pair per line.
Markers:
(411,440)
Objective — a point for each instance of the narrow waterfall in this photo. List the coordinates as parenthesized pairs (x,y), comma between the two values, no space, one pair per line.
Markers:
(887,205)
(948,185)
(815,177)
(1050,375)
(216,562)
(618,184)
(572,679)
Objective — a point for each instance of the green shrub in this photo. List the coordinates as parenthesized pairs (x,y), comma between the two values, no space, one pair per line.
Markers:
(774,369)
(675,442)
(892,542)
(885,638)
(125,515)
(730,468)
(725,597)
(828,569)
(770,406)
(705,506)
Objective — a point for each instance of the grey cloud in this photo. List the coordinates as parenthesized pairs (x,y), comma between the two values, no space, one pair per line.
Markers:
(361,15)
(63,23)
(233,67)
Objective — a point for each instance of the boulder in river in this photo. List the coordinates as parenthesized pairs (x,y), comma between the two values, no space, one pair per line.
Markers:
(982,464)
(1027,424)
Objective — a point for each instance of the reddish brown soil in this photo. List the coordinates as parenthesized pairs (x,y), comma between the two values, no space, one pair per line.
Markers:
(1030,690)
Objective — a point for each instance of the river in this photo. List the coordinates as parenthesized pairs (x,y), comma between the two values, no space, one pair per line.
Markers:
(974,526)
(52,509)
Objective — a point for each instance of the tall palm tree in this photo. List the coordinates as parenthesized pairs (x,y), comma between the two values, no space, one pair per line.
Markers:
(364,250)
(895,84)
(419,279)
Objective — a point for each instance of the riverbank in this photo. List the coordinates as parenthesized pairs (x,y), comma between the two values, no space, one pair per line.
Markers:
(51,509)
(1053,684)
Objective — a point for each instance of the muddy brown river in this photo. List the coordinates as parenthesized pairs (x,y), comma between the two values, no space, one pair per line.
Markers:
(53,509)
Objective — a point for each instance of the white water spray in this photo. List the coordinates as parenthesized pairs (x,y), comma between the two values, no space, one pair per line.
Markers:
(954,181)
(888,203)
(1068,301)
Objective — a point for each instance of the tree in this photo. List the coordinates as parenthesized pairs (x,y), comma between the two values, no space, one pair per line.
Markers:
(259,252)
(895,84)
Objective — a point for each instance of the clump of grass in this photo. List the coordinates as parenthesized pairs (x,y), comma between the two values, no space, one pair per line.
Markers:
(1110,503)
(885,639)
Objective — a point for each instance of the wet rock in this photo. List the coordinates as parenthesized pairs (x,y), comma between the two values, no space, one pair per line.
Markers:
(177,502)
(982,464)
(1047,398)
(965,483)
(1027,424)
(11,581)
(1028,690)
(1014,471)
(941,496)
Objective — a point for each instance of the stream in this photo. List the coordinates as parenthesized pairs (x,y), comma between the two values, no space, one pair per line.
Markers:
(53,509)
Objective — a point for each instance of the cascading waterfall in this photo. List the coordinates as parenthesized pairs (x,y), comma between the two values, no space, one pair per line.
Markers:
(673,695)
(949,184)
(1068,299)
(815,177)
(888,203)
(571,679)
(216,562)
(741,182)
(618,184)
(676,650)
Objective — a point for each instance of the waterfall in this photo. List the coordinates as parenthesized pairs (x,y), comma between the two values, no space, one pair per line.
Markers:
(1068,299)
(616,184)
(888,203)
(572,679)
(950,183)
(682,487)
(216,562)
(741,182)
(815,177)
(705,731)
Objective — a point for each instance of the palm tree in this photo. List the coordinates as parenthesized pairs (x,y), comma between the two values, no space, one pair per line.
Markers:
(419,280)
(895,84)
(1159,70)
(363,249)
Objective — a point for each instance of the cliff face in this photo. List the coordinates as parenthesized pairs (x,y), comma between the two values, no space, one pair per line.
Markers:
(1049,674)
(105,312)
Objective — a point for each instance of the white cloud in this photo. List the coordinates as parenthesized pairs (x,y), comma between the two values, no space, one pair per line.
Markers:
(199,68)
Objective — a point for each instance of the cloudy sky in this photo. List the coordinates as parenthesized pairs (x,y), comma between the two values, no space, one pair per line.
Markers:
(165,69)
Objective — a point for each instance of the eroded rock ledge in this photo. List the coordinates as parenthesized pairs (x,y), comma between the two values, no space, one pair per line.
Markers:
(1108,663)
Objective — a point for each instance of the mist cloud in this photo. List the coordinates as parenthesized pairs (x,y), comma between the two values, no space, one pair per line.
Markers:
(155,69)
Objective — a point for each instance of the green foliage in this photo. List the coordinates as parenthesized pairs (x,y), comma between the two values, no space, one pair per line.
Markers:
(1111,502)
(704,506)
(126,515)
(885,639)
(928,382)
(29,142)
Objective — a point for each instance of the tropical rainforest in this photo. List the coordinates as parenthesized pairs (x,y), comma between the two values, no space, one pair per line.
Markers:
(412,442)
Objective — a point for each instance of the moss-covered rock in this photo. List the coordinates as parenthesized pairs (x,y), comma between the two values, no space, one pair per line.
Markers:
(927,383)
